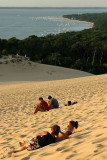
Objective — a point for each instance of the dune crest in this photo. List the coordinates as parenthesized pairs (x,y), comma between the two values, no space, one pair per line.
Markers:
(20,68)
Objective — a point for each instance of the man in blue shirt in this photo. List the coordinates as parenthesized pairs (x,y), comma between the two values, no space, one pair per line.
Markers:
(53,103)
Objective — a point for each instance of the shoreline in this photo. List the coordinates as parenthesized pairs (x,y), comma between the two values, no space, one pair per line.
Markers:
(90,26)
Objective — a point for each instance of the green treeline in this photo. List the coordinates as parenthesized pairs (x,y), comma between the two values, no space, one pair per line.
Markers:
(84,50)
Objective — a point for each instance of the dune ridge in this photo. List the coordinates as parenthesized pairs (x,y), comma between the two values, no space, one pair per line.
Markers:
(20,68)
(89,141)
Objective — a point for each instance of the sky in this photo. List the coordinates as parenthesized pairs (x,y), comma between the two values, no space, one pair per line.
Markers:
(53,3)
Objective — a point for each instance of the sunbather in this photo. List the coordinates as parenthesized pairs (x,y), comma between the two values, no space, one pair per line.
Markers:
(46,138)
(63,134)
(40,140)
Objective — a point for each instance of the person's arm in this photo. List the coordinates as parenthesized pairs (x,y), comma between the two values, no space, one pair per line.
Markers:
(62,136)
(49,103)
(37,105)
(41,134)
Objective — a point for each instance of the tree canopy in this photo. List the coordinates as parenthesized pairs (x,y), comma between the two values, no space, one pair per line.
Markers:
(84,50)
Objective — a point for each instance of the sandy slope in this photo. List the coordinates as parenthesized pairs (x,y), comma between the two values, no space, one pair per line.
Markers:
(24,71)
(89,142)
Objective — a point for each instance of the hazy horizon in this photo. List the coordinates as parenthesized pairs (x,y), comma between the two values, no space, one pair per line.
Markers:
(51,3)
(47,7)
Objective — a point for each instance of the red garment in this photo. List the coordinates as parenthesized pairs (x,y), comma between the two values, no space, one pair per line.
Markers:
(44,105)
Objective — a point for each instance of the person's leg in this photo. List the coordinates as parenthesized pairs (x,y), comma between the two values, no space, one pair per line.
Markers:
(35,109)
(35,106)
(18,150)
(40,108)
(51,107)
(22,143)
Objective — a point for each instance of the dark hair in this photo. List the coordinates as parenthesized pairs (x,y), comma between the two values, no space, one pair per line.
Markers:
(74,124)
(49,97)
(55,129)
(40,98)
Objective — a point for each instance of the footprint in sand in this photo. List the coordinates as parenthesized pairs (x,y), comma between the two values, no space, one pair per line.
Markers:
(70,156)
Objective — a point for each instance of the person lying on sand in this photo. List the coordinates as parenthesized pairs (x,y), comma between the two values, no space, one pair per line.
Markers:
(67,131)
(52,103)
(40,140)
(46,138)
(42,106)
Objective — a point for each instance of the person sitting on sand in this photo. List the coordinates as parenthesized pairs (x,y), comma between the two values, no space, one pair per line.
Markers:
(42,106)
(67,131)
(53,103)
(40,140)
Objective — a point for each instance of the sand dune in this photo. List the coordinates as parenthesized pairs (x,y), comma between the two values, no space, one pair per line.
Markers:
(22,69)
(89,142)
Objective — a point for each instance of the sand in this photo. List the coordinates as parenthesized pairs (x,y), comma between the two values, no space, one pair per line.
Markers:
(22,82)
(89,141)
(90,26)
(21,69)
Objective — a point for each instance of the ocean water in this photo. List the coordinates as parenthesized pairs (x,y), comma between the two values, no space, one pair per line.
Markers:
(24,22)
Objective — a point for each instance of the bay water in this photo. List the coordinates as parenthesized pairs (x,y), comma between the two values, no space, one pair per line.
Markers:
(24,22)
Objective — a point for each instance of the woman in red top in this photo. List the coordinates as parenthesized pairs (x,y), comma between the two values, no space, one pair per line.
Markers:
(42,106)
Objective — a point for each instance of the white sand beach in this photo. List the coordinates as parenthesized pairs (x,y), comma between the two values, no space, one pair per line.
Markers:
(90,26)
(88,142)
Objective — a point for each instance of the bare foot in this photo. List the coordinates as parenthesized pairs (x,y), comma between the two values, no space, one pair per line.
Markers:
(20,143)
(11,152)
